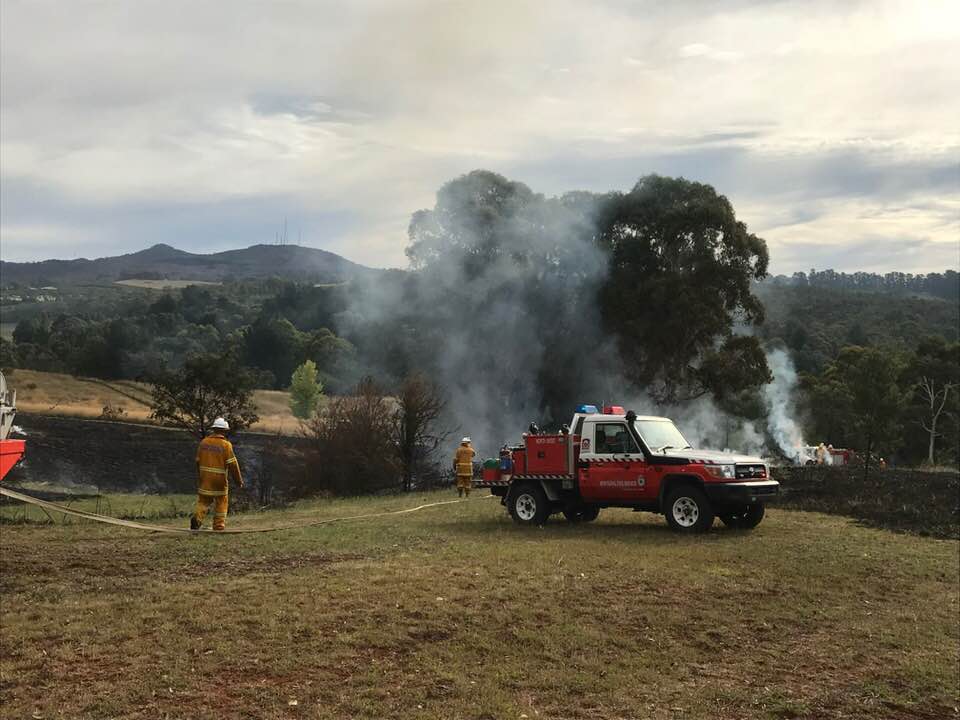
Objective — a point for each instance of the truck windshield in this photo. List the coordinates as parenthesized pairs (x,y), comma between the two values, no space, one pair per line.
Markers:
(660,435)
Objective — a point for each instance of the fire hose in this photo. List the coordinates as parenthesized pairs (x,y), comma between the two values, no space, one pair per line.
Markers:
(47,505)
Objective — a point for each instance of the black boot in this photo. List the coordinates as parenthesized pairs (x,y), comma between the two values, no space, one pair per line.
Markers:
(194,523)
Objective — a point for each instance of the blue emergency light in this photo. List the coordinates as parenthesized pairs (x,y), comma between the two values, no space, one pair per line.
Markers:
(587,409)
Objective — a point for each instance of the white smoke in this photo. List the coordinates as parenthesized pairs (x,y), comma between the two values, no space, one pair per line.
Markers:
(706,426)
(781,410)
(509,280)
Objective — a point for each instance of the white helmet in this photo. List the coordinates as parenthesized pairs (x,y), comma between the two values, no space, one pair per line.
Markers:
(465,440)
(220,424)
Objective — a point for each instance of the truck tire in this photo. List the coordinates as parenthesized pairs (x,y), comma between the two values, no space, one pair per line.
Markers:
(745,519)
(688,510)
(582,513)
(528,505)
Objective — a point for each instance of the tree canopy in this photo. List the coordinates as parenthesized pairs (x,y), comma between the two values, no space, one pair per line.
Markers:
(594,295)
(681,265)
(205,388)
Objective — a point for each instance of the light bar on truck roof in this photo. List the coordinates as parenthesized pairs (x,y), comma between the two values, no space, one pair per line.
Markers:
(613,410)
(587,409)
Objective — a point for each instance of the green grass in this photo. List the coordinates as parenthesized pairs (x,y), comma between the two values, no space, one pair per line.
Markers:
(455,612)
(122,505)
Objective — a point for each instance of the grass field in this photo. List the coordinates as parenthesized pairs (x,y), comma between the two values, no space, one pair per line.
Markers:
(55,394)
(454,612)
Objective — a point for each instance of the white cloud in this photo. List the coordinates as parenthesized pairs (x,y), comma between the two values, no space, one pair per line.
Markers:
(366,108)
(697,50)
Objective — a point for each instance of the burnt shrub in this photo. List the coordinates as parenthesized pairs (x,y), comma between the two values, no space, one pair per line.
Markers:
(351,450)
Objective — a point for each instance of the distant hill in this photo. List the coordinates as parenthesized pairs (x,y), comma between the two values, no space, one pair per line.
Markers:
(161,262)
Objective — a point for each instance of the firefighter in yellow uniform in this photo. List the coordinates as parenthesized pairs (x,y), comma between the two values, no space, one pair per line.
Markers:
(463,466)
(216,463)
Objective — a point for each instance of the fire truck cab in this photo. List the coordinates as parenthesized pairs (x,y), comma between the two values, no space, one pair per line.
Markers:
(615,458)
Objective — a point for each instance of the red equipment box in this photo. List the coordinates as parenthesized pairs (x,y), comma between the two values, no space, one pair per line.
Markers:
(490,474)
(519,455)
(547,455)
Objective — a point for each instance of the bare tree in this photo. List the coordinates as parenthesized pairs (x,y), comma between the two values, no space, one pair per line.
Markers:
(416,425)
(352,449)
(936,399)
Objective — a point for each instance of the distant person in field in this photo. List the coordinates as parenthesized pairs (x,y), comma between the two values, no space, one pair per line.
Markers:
(821,454)
(216,463)
(463,466)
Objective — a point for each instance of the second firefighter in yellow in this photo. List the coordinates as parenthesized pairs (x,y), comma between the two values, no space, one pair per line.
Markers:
(463,466)
(216,463)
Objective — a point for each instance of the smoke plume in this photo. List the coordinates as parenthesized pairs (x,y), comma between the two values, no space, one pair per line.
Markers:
(502,310)
(781,411)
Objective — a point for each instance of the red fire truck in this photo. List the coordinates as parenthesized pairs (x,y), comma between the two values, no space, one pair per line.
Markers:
(619,459)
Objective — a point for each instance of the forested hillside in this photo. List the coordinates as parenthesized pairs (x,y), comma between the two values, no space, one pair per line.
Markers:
(816,322)
(162,261)
(945,285)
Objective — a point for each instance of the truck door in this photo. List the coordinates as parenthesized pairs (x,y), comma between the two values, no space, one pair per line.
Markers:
(611,467)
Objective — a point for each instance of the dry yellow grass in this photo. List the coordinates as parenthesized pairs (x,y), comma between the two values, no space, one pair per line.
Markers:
(43,393)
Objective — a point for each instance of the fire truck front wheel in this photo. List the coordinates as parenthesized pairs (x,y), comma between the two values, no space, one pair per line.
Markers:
(581,513)
(688,510)
(744,519)
(529,505)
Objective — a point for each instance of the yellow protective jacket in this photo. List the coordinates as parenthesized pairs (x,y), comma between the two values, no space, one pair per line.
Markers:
(463,461)
(215,463)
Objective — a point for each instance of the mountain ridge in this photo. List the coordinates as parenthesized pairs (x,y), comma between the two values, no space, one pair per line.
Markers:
(165,262)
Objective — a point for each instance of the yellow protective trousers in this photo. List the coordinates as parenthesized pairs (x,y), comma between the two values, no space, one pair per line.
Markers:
(219,502)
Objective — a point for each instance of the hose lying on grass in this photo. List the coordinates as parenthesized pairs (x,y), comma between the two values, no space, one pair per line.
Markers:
(47,505)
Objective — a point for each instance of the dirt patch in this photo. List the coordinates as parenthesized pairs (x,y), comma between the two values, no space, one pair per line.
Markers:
(237,567)
(89,568)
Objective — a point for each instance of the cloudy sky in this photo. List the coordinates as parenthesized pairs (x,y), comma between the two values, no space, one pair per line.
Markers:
(833,127)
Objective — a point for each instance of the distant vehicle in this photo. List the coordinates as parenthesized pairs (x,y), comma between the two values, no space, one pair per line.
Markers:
(619,459)
(835,456)
(10,450)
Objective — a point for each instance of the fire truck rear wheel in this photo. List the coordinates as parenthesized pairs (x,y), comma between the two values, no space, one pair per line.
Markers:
(529,505)
(745,519)
(688,510)
(582,513)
